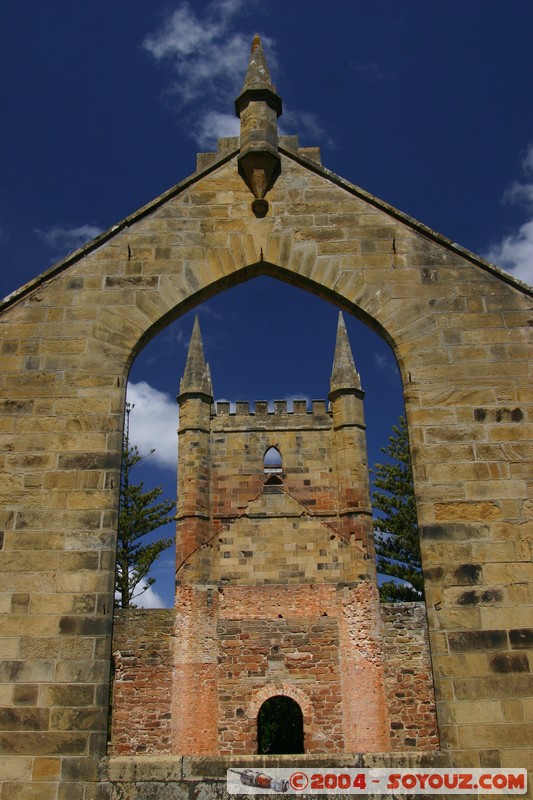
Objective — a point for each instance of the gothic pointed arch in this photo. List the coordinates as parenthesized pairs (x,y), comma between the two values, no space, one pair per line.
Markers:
(272,460)
(459,330)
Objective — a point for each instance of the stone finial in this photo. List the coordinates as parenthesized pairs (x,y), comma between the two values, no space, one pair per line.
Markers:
(258,107)
(197,375)
(258,80)
(344,374)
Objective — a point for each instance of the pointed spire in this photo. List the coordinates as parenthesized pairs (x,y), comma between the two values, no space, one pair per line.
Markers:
(197,375)
(344,374)
(258,107)
(209,381)
(258,83)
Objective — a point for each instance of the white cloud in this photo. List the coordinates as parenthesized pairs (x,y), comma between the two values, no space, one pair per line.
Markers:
(372,70)
(527,160)
(305,124)
(387,365)
(68,239)
(215,125)
(182,338)
(149,599)
(154,423)
(514,252)
(180,36)
(208,57)
(519,193)
(208,311)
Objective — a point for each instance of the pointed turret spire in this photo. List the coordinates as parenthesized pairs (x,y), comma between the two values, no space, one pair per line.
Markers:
(258,107)
(258,80)
(197,375)
(344,374)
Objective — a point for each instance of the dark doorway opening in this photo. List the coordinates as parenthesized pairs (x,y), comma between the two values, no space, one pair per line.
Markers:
(280,727)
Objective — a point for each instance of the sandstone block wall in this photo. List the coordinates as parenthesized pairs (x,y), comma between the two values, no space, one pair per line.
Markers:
(460,331)
(240,441)
(289,548)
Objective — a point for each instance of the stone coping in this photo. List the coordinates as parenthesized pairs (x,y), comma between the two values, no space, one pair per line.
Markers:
(165,768)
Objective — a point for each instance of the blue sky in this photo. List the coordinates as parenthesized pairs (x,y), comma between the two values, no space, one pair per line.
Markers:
(426,105)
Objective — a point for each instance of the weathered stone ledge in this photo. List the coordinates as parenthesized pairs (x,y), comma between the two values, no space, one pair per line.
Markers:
(162,769)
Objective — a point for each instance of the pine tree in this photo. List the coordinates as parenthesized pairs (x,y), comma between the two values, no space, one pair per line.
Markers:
(139,514)
(396,529)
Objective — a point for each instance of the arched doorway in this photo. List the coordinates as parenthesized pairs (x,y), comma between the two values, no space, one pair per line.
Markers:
(280,727)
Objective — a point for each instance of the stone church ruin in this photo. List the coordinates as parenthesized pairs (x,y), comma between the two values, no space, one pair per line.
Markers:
(460,329)
(276,589)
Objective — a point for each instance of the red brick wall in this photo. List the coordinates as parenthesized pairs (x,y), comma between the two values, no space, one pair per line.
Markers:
(194,683)
(409,677)
(279,640)
(143,660)
(361,656)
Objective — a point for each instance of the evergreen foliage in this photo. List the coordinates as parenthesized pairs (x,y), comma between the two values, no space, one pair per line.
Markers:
(396,529)
(139,514)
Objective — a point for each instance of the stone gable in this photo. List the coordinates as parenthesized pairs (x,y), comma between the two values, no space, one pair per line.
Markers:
(461,332)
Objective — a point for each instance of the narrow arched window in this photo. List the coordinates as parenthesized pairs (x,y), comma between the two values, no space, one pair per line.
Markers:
(272,460)
(280,727)
(272,467)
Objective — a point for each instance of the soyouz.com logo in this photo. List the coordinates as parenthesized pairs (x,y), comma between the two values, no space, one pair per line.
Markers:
(377,781)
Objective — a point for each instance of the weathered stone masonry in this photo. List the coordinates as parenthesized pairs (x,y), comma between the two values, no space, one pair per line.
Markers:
(142,684)
(460,330)
(408,677)
(246,649)
(276,589)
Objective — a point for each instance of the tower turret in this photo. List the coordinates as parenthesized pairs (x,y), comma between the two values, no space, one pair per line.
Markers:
(344,375)
(197,375)
(346,397)
(258,107)
(194,460)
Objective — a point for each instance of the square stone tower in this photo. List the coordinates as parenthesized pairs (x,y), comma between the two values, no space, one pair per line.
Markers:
(273,497)
(276,590)
(277,612)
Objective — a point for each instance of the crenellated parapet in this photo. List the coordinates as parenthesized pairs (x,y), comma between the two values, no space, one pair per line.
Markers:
(274,457)
(276,413)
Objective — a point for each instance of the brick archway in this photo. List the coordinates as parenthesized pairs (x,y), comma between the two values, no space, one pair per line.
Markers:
(285,689)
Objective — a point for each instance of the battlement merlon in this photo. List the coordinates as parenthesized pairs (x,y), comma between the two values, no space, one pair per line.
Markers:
(277,414)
